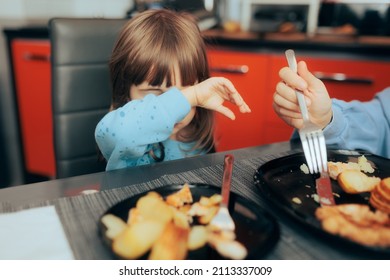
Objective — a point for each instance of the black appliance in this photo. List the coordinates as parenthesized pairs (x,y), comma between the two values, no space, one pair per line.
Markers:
(207,18)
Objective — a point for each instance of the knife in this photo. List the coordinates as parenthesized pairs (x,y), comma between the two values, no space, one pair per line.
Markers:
(324,190)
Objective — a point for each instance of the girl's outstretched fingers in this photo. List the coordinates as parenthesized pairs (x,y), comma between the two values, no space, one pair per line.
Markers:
(226,112)
(236,98)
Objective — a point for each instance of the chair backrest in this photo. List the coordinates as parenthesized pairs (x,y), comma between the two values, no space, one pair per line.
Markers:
(81,89)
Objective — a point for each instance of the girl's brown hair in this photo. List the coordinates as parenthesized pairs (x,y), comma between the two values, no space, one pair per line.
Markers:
(148,48)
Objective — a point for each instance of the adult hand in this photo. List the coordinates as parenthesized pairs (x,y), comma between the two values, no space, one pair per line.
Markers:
(285,102)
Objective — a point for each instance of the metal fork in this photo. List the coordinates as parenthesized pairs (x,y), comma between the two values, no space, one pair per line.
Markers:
(312,137)
(222,220)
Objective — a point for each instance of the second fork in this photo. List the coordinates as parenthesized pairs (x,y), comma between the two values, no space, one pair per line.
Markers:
(222,219)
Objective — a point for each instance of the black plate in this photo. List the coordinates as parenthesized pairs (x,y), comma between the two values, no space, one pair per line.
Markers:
(257,230)
(281,180)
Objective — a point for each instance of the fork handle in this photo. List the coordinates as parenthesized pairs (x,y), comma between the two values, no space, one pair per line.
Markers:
(292,63)
(227,178)
(302,105)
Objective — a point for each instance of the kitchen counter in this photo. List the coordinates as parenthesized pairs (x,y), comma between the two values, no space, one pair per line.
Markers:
(34,32)
(372,46)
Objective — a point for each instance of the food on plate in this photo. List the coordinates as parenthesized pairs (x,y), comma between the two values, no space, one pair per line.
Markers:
(335,168)
(134,216)
(181,219)
(197,237)
(296,200)
(357,223)
(168,227)
(180,197)
(136,240)
(304,168)
(380,196)
(210,201)
(364,165)
(209,215)
(153,207)
(114,225)
(226,245)
(361,181)
(171,244)
(355,181)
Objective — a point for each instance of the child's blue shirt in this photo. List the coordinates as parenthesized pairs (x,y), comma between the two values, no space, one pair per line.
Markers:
(126,135)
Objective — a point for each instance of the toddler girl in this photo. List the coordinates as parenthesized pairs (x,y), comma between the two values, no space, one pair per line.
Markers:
(163,99)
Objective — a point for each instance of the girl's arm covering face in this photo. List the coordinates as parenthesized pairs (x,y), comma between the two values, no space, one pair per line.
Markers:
(212,93)
(143,89)
(123,135)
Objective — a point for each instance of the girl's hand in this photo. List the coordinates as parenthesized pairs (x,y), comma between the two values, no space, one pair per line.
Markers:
(212,93)
(285,102)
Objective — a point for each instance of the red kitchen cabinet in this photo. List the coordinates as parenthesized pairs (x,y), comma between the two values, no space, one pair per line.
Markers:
(254,74)
(346,79)
(248,72)
(31,62)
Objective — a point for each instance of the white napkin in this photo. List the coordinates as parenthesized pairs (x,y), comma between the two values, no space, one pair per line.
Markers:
(33,234)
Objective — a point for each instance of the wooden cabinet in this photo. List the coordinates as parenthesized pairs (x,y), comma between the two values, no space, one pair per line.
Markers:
(346,79)
(31,64)
(248,72)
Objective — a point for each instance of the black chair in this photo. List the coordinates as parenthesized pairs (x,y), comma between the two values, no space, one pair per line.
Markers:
(81,89)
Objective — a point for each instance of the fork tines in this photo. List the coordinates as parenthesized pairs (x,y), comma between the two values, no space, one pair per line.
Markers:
(314,148)
(223,220)
(312,137)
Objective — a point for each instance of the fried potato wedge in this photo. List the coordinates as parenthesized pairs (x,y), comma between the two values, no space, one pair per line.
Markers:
(134,216)
(197,209)
(225,244)
(197,237)
(114,225)
(231,249)
(211,212)
(171,245)
(210,201)
(181,219)
(180,197)
(152,207)
(137,239)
